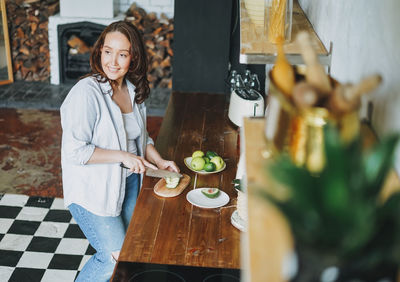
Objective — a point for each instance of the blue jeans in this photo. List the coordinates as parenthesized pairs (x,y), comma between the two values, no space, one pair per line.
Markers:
(105,233)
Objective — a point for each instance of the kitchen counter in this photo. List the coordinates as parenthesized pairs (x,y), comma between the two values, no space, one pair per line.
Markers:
(171,231)
(267,227)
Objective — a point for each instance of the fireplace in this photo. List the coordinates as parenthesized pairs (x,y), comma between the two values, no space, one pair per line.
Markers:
(65,66)
(75,41)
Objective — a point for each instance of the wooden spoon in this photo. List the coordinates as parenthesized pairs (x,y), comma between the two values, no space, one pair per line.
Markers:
(282,72)
(315,72)
(347,97)
(304,95)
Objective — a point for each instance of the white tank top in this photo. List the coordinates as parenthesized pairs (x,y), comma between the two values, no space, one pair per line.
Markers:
(132,130)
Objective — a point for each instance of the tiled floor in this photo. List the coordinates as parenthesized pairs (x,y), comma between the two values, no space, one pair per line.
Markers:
(39,240)
(46,96)
(32,95)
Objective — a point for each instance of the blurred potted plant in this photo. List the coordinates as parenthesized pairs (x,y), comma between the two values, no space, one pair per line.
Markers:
(342,227)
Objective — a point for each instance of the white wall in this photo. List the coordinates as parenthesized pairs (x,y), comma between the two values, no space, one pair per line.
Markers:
(366,40)
(157,6)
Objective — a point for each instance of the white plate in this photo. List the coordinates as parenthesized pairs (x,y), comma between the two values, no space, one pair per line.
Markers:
(188,161)
(195,197)
(237,221)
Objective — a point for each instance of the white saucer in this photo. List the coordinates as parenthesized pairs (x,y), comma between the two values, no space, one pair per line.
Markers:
(195,197)
(237,221)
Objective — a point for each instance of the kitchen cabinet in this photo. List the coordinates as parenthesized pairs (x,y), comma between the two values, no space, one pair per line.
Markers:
(255,48)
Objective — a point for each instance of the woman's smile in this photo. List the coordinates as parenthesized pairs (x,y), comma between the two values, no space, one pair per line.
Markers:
(113,69)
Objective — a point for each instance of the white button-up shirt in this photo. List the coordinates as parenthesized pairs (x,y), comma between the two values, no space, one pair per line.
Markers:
(89,119)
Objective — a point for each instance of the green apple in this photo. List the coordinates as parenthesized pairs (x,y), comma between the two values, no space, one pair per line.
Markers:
(197,163)
(218,161)
(197,154)
(211,154)
(210,167)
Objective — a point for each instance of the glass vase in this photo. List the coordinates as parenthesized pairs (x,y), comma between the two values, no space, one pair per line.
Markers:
(278,20)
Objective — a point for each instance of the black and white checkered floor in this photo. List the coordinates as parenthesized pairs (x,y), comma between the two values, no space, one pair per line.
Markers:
(39,240)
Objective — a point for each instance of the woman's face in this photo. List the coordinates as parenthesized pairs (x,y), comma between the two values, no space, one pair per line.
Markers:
(115,56)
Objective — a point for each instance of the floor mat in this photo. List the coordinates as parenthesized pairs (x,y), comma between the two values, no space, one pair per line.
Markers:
(39,240)
(30,152)
(30,142)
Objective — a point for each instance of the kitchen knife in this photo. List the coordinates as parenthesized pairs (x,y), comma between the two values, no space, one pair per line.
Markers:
(161,173)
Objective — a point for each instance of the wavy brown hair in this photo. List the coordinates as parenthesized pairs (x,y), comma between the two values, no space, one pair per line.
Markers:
(137,73)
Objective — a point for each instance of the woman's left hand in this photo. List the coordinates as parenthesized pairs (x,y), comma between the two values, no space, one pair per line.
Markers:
(168,165)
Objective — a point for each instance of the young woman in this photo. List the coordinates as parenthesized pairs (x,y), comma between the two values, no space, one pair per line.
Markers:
(104,124)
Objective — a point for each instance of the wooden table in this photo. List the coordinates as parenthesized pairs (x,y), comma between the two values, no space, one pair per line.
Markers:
(171,230)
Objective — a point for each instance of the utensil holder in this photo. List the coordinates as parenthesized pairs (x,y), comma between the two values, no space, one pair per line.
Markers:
(299,132)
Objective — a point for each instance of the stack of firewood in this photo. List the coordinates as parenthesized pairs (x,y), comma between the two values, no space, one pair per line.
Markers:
(27,24)
(158,37)
(28,28)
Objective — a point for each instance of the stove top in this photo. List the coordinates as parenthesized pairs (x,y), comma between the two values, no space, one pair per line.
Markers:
(149,272)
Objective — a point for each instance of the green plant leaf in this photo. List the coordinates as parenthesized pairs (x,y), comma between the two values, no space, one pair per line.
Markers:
(378,162)
(337,210)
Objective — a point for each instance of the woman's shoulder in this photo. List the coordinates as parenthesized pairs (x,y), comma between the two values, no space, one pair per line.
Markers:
(87,86)
(86,89)
(87,83)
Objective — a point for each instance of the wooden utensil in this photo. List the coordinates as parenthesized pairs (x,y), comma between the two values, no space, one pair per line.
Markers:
(347,97)
(304,95)
(315,72)
(161,189)
(276,21)
(283,73)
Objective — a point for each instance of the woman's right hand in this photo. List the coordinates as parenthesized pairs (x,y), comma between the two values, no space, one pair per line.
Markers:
(136,163)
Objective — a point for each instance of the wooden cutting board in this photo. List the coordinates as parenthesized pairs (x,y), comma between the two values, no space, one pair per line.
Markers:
(161,190)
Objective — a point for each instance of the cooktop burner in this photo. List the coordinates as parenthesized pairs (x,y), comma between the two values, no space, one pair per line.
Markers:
(156,275)
(221,277)
(149,272)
